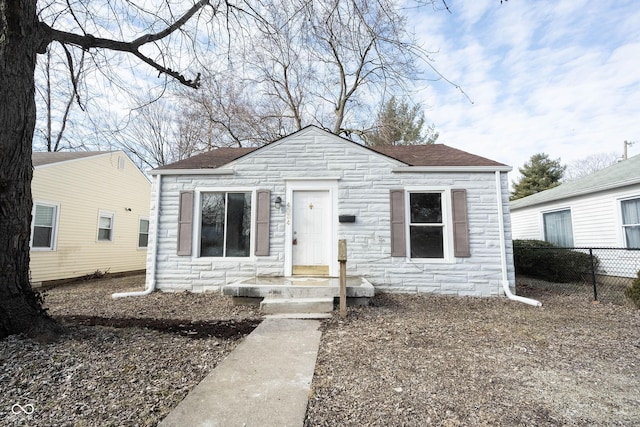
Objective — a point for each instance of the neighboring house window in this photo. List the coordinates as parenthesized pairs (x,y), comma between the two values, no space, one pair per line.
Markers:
(226,224)
(105,227)
(143,233)
(557,228)
(631,222)
(44,226)
(426,225)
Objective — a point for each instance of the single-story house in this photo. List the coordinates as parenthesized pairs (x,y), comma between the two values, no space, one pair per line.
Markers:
(90,214)
(427,218)
(600,210)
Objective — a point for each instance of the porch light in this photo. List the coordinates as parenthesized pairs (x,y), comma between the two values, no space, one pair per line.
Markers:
(278,202)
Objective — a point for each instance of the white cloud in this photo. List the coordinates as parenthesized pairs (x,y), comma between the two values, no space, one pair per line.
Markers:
(554,77)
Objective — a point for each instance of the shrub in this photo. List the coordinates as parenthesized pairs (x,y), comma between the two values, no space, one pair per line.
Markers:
(633,291)
(544,260)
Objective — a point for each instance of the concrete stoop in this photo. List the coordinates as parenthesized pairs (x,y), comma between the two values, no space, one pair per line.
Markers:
(298,297)
(296,305)
(299,287)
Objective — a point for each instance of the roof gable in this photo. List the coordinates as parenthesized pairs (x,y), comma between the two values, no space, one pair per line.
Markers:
(622,174)
(410,155)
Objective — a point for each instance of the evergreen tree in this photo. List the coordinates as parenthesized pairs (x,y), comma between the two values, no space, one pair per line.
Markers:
(399,124)
(538,174)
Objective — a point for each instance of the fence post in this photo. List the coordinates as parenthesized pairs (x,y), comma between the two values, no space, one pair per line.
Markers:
(593,275)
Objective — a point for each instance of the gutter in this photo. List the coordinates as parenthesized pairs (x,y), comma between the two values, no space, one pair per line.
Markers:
(503,251)
(154,251)
(203,171)
(401,169)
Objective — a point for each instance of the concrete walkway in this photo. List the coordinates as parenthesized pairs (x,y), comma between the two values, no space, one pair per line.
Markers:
(264,382)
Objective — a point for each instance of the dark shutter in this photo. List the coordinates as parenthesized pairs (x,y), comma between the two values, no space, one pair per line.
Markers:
(185,222)
(460,223)
(398,232)
(262,222)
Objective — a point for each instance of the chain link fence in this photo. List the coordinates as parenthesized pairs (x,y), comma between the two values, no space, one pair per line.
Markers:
(601,274)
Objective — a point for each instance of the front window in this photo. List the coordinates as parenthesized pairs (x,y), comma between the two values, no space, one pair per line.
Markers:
(44,226)
(558,229)
(105,227)
(631,222)
(226,224)
(143,233)
(426,225)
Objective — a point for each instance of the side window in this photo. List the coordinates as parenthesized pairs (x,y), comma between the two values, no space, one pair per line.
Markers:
(558,228)
(105,226)
(426,225)
(226,224)
(44,232)
(631,222)
(143,233)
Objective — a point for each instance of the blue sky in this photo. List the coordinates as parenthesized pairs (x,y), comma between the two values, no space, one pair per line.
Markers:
(560,77)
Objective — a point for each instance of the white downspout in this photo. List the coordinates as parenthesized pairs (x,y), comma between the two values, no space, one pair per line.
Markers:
(154,250)
(503,250)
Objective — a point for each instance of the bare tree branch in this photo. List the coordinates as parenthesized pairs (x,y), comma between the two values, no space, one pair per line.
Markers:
(87,41)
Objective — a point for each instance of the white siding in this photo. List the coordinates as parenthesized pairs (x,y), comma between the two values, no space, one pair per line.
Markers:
(596,218)
(365,179)
(597,223)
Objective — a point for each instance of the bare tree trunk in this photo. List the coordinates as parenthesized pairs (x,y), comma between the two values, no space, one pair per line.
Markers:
(20,307)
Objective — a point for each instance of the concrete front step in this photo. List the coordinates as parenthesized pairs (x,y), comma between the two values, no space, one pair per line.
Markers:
(296,305)
(299,316)
(286,287)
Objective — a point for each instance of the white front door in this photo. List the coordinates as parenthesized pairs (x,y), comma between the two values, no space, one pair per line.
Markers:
(311,232)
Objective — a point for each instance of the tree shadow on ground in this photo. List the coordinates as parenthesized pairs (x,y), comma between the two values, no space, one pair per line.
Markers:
(222,329)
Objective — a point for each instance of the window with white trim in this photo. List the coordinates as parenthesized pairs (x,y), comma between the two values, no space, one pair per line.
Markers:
(105,226)
(143,233)
(558,228)
(45,219)
(426,225)
(631,222)
(225,224)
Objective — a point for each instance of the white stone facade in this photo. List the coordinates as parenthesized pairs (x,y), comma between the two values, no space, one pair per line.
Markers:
(360,180)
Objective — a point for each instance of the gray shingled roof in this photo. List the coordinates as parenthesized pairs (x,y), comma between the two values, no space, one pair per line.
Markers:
(211,159)
(621,174)
(45,158)
(434,155)
(413,155)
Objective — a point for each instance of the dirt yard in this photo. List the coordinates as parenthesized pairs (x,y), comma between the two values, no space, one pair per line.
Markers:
(406,361)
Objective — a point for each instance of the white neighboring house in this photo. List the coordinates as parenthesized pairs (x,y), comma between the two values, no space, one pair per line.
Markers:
(600,210)
(416,218)
(90,213)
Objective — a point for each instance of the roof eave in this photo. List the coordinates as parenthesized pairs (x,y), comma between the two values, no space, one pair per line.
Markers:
(577,193)
(77,159)
(403,169)
(210,171)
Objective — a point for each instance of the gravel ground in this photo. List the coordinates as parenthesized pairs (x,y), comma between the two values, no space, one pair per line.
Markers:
(447,361)
(141,360)
(407,360)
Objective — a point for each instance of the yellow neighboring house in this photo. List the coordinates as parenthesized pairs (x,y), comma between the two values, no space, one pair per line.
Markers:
(90,213)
